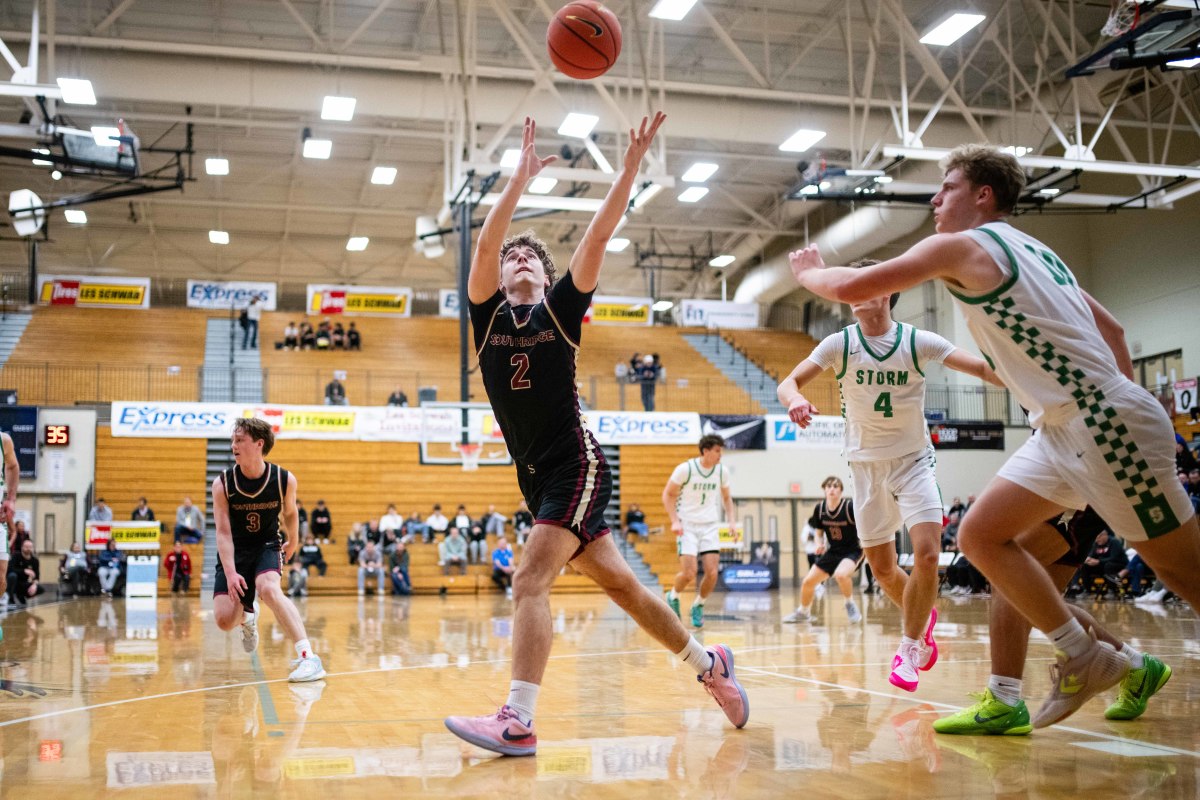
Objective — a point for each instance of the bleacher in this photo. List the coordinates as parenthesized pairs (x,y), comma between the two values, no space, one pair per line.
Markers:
(644,472)
(778,352)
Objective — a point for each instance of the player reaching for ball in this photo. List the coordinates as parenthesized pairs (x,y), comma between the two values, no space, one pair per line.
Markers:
(527,327)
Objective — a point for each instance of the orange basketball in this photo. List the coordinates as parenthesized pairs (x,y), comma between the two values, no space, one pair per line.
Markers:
(584,39)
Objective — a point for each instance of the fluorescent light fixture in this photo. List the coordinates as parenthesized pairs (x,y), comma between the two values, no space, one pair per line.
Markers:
(356,244)
(884,179)
(216,166)
(76,216)
(383,176)
(218,237)
(77,91)
(56,175)
(511,158)
(1049,192)
(1018,150)
(338,108)
(692,194)
(578,125)
(317,148)
(863,173)
(952,29)
(1185,63)
(616,245)
(41,162)
(663,305)
(801,140)
(597,156)
(646,195)
(542,185)
(672,9)
(105,136)
(810,189)
(699,172)
(549,202)
(722,261)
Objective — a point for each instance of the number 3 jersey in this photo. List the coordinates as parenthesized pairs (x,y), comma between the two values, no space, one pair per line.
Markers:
(882,381)
(255,505)
(527,359)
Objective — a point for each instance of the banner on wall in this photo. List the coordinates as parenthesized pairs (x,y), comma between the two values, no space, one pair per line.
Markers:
(824,432)
(230,294)
(621,311)
(740,431)
(448,303)
(385,301)
(967,435)
(127,535)
(716,314)
(1185,396)
(643,427)
(92,292)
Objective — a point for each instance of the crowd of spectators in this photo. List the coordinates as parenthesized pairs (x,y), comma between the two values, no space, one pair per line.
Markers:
(325,336)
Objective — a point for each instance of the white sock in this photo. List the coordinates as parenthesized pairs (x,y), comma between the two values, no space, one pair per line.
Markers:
(672,595)
(694,655)
(1136,660)
(303,648)
(804,609)
(248,617)
(1006,690)
(699,601)
(1071,638)
(522,698)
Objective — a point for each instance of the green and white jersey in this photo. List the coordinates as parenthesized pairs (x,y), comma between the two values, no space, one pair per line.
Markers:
(700,499)
(882,381)
(1036,329)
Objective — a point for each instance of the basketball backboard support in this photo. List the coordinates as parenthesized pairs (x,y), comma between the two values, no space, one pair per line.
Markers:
(1155,41)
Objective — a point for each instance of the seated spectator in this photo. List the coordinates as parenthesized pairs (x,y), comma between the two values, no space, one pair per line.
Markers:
(297,580)
(18,537)
(143,512)
(335,393)
(179,569)
(372,533)
(522,522)
(100,512)
(398,398)
(311,556)
(370,565)
(24,575)
(189,522)
(1185,461)
(493,522)
(476,543)
(308,337)
(73,569)
(1138,573)
(391,521)
(388,543)
(320,523)
(338,337)
(291,336)
(353,338)
(302,513)
(414,526)
(109,567)
(462,520)
(502,565)
(635,521)
(401,584)
(1105,561)
(355,543)
(452,552)
(437,523)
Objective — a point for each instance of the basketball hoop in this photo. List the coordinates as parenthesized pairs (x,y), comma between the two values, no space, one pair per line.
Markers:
(1123,17)
(470,452)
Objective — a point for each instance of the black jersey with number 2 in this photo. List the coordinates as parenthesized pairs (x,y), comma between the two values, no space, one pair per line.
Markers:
(527,360)
(255,506)
(841,530)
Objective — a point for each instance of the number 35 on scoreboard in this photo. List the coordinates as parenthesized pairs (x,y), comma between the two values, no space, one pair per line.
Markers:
(57,435)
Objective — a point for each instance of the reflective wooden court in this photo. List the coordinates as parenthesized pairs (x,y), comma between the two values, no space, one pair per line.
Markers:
(101,698)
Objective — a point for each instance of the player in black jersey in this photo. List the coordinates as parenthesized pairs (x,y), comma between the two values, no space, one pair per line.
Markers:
(527,329)
(1060,544)
(251,502)
(840,554)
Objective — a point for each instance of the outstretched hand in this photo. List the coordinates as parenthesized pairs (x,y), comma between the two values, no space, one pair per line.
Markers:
(529,165)
(639,141)
(804,260)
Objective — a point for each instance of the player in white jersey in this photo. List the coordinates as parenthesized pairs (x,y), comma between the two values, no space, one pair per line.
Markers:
(880,367)
(693,497)
(1102,440)
(10,477)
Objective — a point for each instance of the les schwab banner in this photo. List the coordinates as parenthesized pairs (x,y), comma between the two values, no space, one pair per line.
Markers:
(620,311)
(92,292)
(126,535)
(383,301)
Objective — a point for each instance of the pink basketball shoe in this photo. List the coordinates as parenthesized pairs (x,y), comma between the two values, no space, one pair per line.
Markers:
(720,682)
(929,653)
(503,732)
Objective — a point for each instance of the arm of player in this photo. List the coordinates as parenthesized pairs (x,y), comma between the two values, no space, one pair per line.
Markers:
(12,477)
(670,498)
(972,365)
(291,519)
(589,256)
(1114,335)
(730,509)
(799,409)
(484,277)
(236,583)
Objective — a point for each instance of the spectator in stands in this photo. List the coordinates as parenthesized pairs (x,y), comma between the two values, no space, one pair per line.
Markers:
(493,522)
(1193,487)
(370,565)
(338,337)
(297,580)
(647,375)
(24,573)
(1136,572)
(452,552)
(398,398)
(253,314)
(956,510)
(143,512)
(308,337)
(311,556)
(437,523)
(189,522)
(179,569)
(109,568)
(635,521)
(73,570)
(100,512)
(1185,460)
(414,526)
(302,512)
(389,542)
(522,523)
(291,336)
(353,338)
(335,393)
(477,546)
(324,329)
(18,537)
(321,523)
(398,561)
(391,521)
(462,520)
(1105,561)
(372,533)
(502,565)
(355,543)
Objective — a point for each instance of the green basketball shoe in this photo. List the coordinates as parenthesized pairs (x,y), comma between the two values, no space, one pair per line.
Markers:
(673,602)
(697,616)
(1137,688)
(987,716)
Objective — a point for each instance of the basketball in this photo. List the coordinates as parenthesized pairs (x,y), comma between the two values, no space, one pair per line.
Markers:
(584,39)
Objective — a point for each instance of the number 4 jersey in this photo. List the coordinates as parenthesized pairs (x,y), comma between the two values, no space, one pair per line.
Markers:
(882,381)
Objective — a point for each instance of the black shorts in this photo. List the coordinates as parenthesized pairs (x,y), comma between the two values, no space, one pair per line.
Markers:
(1079,531)
(571,494)
(829,560)
(250,564)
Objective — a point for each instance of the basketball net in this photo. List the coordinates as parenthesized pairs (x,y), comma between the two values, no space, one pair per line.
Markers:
(1123,17)
(470,452)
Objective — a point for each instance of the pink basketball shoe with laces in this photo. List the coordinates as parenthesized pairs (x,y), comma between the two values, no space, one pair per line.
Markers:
(503,732)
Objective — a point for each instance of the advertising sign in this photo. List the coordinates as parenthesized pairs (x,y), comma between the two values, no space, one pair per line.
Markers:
(716,314)
(967,435)
(448,303)
(126,535)
(230,294)
(643,427)
(621,311)
(740,431)
(824,432)
(86,291)
(382,301)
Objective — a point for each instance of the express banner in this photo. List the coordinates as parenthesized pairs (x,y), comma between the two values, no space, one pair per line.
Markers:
(230,294)
(717,314)
(740,431)
(382,301)
(126,535)
(967,435)
(824,432)
(621,311)
(643,427)
(448,303)
(91,292)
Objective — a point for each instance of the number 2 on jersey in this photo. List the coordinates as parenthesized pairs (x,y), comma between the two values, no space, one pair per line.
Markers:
(521,362)
(884,404)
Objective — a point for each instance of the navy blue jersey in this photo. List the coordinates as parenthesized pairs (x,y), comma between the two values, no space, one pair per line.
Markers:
(255,507)
(527,360)
(841,530)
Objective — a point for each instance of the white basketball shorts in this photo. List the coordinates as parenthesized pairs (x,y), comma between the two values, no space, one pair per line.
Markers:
(700,538)
(892,492)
